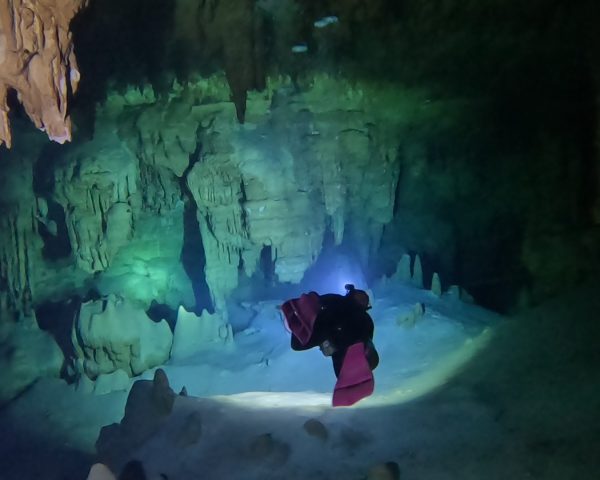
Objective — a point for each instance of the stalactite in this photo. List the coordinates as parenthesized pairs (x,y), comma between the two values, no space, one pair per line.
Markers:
(37,60)
(233,32)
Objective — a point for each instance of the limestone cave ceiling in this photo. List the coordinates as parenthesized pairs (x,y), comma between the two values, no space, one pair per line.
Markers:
(243,138)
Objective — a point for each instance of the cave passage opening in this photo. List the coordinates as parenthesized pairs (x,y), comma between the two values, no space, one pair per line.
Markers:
(267,265)
(57,318)
(193,256)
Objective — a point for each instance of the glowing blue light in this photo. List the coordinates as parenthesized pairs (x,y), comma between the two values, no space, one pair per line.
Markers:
(333,272)
(345,281)
(347,272)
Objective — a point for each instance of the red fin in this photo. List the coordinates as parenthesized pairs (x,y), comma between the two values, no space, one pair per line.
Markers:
(355,381)
(300,315)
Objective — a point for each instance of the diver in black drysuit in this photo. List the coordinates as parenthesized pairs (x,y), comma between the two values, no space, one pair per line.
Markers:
(342,322)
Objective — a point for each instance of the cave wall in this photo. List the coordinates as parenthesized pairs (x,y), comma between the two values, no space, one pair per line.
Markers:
(421,127)
(304,164)
(512,160)
(20,244)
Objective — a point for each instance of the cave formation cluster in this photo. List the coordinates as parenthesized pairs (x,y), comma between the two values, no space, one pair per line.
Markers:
(241,154)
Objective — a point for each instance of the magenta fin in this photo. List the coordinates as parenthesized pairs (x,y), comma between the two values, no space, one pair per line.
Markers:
(355,381)
(300,314)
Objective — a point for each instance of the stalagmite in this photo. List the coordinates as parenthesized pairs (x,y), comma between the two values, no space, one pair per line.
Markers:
(417,276)
(100,472)
(195,333)
(436,285)
(403,269)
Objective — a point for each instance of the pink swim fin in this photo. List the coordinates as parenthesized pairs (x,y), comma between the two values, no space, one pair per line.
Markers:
(300,315)
(355,381)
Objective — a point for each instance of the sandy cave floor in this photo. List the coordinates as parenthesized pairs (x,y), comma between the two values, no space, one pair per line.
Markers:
(463,394)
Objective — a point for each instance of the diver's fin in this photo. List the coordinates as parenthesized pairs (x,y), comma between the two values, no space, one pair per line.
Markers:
(300,315)
(355,381)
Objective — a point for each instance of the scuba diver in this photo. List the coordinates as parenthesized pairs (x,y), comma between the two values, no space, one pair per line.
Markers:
(343,330)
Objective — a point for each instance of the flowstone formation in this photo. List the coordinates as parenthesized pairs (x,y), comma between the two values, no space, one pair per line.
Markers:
(37,60)
(20,243)
(26,352)
(124,213)
(97,187)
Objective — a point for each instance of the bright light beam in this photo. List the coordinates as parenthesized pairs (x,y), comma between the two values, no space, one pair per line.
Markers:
(442,371)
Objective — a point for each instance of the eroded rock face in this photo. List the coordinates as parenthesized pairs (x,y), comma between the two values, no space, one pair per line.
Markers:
(304,164)
(38,62)
(98,188)
(111,334)
(123,208)
(20,243)
(148,408)
(26,354)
